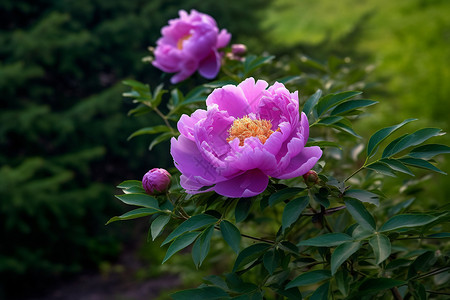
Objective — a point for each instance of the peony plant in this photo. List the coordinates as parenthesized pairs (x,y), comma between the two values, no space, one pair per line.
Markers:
(308,207)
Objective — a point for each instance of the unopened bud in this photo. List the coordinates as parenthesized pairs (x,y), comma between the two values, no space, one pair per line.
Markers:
(238,49)
(311,178)
(156,181)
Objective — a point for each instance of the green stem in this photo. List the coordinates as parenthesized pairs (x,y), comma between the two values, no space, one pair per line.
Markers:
(357,171)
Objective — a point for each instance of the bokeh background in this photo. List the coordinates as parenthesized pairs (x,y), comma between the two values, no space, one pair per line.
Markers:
(64,123)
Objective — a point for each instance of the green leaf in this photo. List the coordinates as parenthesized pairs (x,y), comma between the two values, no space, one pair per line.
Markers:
(201,246)
(139,200)
(331,100)
(242,209)
(360,213)
(407,221)
(231,235)
(176,96)
(158,225)
(291,294)
(160,138)
(391,145)
(271,260)
(345,128)
(136,84)
(396,165)
(440,235)
(329,120)
(149,130)
(180,243)
(363,196)
(351,105)
(284,194)
(321,293)
(379,284)
(202,293)
(381,247)
(157,95)
(414,139)
(343,281)
(381,135)
(129,183)
(133,214)
(193,223)
(429,151)
(250,254)
(381,168)
(420,163)
(289,79)
(292,211)
(323,144)
(311,102)
(252,62)
(342,253)
(327,240)
(309,278)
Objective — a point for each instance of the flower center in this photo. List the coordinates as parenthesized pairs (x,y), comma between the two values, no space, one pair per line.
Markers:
(180,41)
(246,127)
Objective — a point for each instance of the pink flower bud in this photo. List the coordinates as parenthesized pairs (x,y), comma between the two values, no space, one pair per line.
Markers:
(156,181)
(311,178)
(238,49)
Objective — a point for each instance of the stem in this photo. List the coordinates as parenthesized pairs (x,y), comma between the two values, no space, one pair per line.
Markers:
(251,237)
(166,121)
(438,293)
(396,294)
(357,171)
(431,273)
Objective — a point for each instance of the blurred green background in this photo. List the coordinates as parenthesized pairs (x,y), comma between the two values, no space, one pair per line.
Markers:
(64,128)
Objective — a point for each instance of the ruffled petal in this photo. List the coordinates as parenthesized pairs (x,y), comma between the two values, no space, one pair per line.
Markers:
(251,183)
(301,163)
(223,38)
(231,99)
(186,123)
(187,67)
(253,91)
(210,66)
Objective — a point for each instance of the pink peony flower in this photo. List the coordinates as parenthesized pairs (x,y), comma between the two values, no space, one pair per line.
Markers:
(247,134)
(190,43)
(156,181)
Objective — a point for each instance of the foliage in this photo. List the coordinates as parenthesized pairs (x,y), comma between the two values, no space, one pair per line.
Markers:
(351,233)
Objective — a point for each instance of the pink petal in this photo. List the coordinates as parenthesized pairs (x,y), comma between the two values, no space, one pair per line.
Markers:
(231,99)
(253,91)
(210,66)
(223,38)
(301,163)
(186,123)
(249,184)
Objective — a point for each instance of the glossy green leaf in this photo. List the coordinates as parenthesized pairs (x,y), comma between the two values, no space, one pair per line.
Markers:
(381,247)
(292,211)
(284,194)
(176,96)
(158,225)
(201,293)
(326,240)
(159,139)
(249,254)
(420,163)
(136,84)
(391,145)
(379,284)
(329,120)
(242,209)
(201,246)
(252,62)
(381,168)
(129,183)
(309,278)
(360,213)
(290,294)
(429,151)
(149,130)
(351,105)
(180,243)
(157,95)
(363,196)
(271,260)
(332,100)
(397,165)
(231,235)
(134,214)
(311,102)
(193,223)
(289,79)
(342,253)
(321,293)
(139,200)
(414,139)
(345,128)
(381,135)
(342,278)
(440,235)
(323,144)
(406,221)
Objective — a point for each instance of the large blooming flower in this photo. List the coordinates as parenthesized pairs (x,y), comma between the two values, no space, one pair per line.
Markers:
(247,134)
(190,43)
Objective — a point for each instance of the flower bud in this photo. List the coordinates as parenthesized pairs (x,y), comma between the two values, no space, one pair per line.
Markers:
(238,49)
(156,181)
(311,178)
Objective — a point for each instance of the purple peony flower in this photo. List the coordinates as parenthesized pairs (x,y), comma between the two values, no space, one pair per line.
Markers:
(247,134)
(190,43)
(156,181)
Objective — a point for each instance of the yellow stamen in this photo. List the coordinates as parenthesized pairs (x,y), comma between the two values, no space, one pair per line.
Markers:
(180,41)
(245,127)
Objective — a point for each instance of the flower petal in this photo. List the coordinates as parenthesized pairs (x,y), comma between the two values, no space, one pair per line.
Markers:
(249,184)
(186,123)
(301,163)
(231,99)
(253,91)
(210,66)
(223,38)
